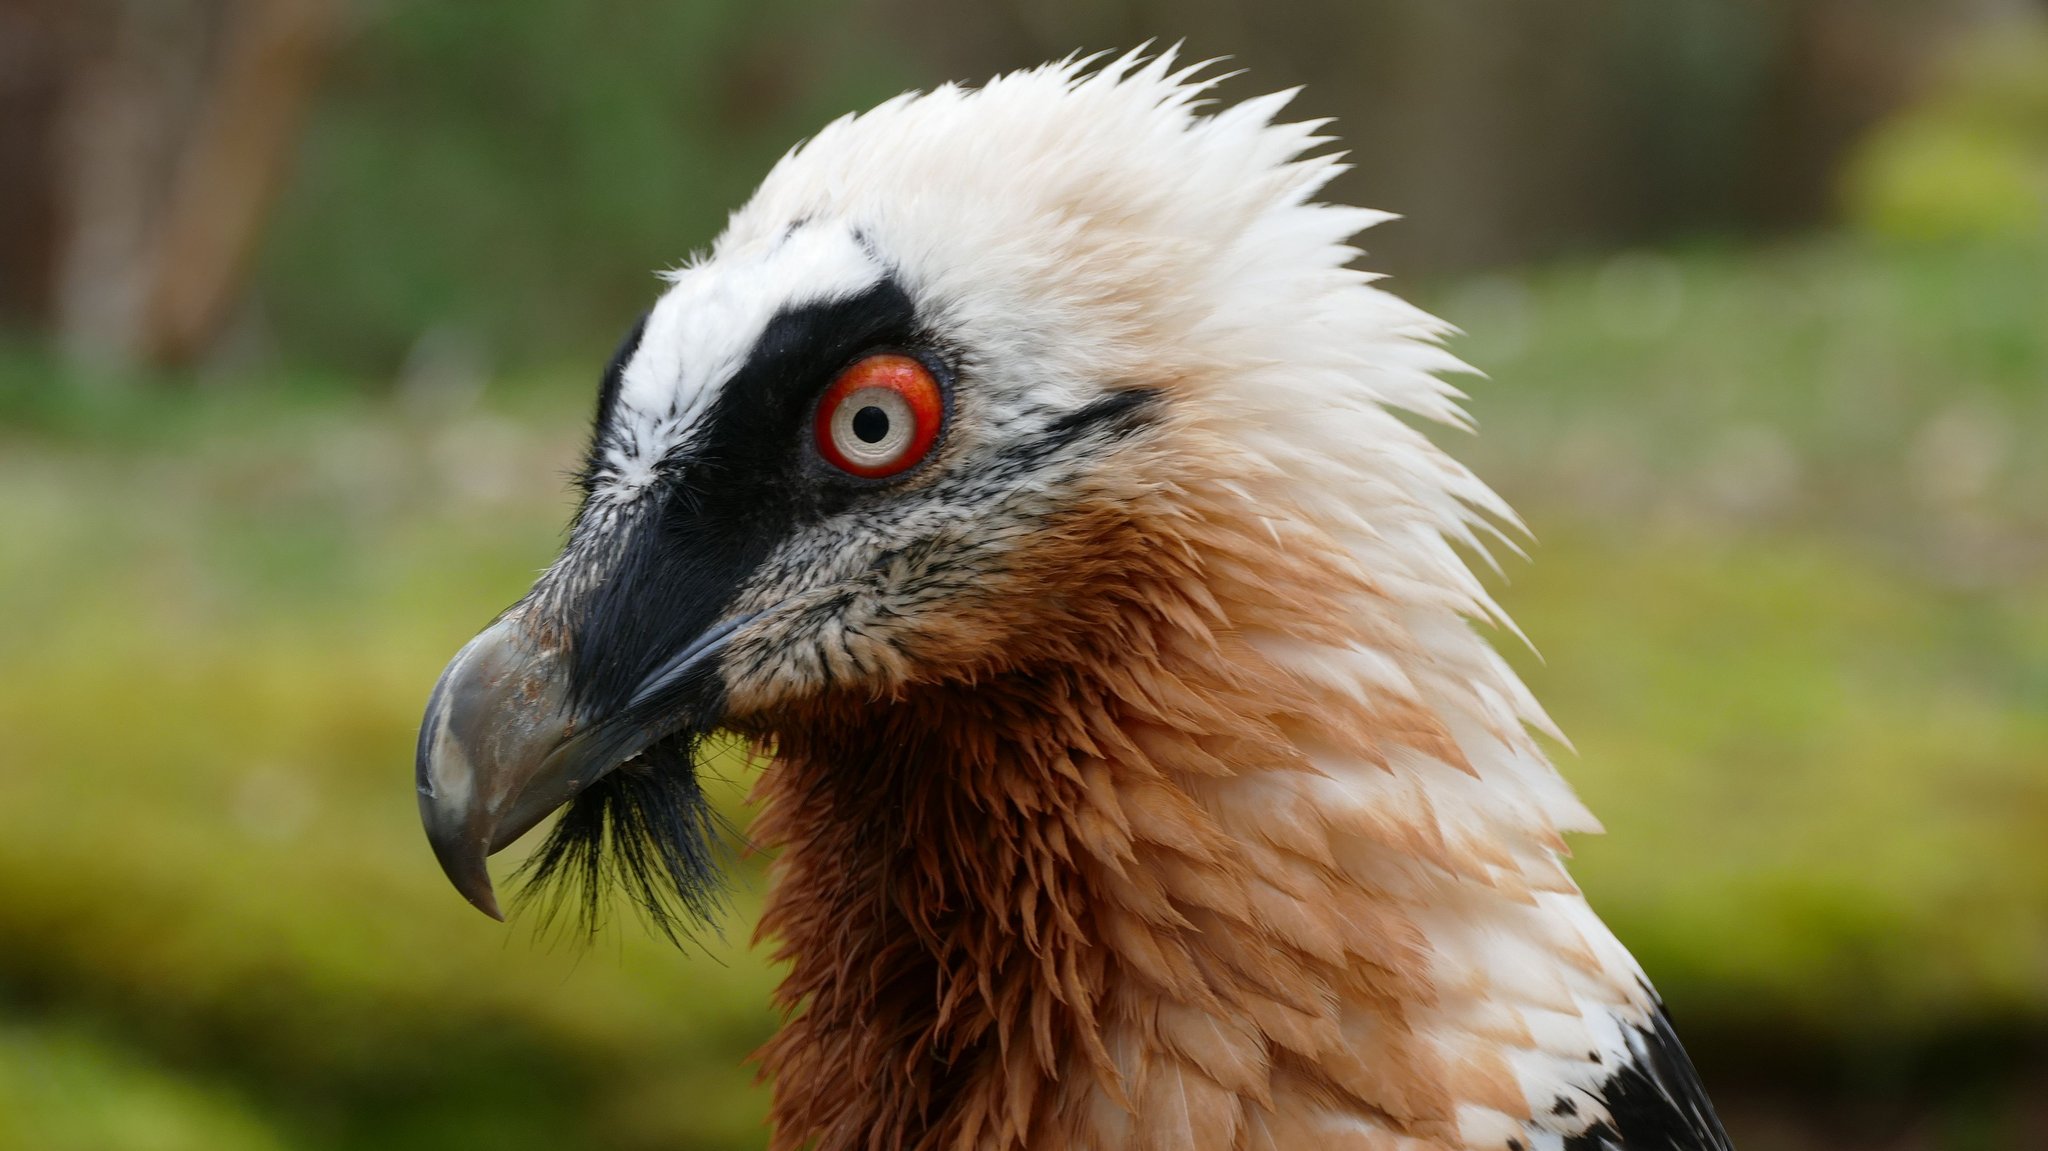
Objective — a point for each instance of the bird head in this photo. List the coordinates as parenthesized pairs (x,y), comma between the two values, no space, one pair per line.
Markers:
(956,374)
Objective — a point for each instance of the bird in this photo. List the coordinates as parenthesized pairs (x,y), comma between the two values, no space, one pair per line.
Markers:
(1031,475)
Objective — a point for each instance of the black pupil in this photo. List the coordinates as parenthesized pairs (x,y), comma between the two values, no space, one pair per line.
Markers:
(871,424)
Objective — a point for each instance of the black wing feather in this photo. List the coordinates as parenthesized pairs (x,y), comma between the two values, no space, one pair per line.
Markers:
(1655,1100)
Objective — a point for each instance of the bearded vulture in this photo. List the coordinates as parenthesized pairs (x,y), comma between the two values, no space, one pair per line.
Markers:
(1027,472)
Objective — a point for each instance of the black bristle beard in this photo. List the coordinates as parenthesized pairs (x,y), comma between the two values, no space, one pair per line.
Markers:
(646,828)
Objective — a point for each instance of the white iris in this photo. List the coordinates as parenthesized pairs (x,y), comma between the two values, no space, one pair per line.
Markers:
(893,428)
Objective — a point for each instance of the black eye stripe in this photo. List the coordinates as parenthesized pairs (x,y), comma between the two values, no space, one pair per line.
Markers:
(743,483)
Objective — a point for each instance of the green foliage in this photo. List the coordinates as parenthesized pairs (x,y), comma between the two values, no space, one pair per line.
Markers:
(1971,162)
(62,1091)
(518,170)
(1802,660)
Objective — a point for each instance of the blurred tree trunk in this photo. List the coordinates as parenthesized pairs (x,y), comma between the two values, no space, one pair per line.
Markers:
(32,53)
(144,142)
(239,154)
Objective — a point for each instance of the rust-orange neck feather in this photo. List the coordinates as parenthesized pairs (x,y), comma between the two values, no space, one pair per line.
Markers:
(1088,900)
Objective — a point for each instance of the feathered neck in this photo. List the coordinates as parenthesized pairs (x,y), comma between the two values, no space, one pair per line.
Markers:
(1170,882)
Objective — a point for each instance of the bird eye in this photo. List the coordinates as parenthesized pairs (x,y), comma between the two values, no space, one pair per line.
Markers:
(880,416)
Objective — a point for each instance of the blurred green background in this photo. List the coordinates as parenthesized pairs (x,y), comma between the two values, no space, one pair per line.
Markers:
(305,302)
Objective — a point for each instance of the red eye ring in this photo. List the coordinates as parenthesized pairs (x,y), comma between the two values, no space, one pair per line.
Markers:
(880,417)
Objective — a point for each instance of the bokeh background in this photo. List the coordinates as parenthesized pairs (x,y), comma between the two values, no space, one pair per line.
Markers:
(304,303)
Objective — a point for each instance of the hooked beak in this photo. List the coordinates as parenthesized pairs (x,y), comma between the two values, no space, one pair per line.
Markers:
(502,743)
